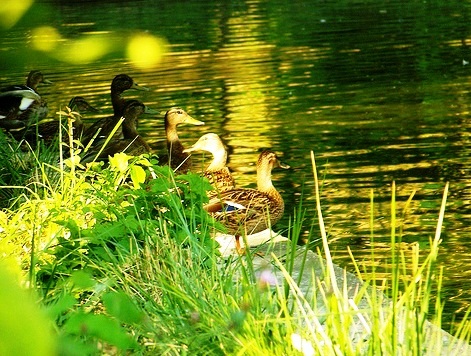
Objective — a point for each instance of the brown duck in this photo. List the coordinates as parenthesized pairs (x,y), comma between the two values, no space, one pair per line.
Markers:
(177,159)
(245,211)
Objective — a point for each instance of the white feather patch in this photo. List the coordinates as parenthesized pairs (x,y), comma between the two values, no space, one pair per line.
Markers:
(25,103)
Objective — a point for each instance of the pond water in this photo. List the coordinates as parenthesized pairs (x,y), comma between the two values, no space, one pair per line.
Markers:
(378,90)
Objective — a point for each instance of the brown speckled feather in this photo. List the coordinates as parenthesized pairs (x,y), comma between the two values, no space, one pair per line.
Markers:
(248,211)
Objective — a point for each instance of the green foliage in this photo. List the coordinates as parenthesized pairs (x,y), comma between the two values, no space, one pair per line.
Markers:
(82,223)
(25,328)
(122,260)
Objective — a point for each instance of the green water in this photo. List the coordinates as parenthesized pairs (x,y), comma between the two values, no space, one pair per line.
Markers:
(378,90)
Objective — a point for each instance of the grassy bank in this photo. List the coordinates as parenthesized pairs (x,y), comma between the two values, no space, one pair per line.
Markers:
(120,259)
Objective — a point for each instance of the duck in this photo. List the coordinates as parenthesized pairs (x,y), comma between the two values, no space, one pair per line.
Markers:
(131,143)
(217,173)
(178,160)
(48,130)
(246,211)
(80,105)
(105,126)
(21,105)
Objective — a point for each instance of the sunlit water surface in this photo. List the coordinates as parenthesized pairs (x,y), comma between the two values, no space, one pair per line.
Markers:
(379,92)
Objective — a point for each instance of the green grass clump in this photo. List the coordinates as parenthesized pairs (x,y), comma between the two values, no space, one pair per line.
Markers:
(121,260)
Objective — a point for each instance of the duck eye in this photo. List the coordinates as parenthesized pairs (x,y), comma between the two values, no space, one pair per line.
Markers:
(179,112)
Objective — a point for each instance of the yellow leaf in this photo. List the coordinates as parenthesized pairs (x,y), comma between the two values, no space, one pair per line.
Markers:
(138,176)
(120,161)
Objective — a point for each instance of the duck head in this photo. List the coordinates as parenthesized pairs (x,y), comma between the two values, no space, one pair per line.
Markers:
(124,82)
(270,160)
(209,142)
(176,116)
(79,104)
(35,77)
(133,109)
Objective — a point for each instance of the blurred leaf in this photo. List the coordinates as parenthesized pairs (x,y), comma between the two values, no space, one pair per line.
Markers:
(70,346)
(82,279)
(45,38)
(145,51)
(122,307)
(25,330)
(100,326)
(97,45)
(63,304)
(237,319)
(12,10)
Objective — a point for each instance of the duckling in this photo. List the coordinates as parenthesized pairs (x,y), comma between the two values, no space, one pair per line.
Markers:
(217,173)
(245,211)
(105,126)
(132,143)
(177,158)
(21,105)
(48,130)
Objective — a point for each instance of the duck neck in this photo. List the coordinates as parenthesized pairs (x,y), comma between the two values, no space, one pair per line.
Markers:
(118,102)
(218,162)
(129,129)
(264,183)
(33,82)
(171,133)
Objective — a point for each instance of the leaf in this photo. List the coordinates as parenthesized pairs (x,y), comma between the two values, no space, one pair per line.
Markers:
(71,225)
(82,279)
(25,330)
(197,186)
(63,304)
(73,161)
(159,185)
(120,161)
(138,176)
(122,307)
(100,326)
(107,230)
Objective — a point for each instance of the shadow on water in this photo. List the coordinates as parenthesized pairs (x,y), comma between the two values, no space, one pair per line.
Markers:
(380,92)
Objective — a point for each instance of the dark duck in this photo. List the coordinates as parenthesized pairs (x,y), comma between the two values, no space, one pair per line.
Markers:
(103,127)
(131,143)
(47,131)
(21,105)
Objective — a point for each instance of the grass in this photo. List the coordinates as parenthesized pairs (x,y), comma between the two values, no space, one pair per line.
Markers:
(120,260)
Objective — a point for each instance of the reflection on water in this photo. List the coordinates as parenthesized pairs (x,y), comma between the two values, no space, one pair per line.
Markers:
(379,92)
